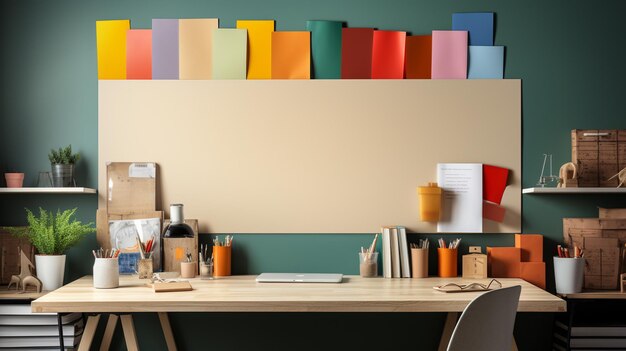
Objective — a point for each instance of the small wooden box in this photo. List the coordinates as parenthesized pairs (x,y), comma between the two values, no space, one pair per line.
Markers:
(475,266)
(174,249)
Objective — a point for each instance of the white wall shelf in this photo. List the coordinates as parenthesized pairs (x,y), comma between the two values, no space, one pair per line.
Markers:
(75,190)
(574,191)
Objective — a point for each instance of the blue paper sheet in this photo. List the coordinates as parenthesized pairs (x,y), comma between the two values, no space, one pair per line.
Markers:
(486,62)
(478,24)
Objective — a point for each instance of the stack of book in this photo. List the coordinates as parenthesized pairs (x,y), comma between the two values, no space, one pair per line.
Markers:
(21,329)
(395,252)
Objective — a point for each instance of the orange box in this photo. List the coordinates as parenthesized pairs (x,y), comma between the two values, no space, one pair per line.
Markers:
(531,245)
(504,262)
(534,273)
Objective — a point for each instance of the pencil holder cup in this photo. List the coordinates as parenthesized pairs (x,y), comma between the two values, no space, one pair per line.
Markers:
(447,262)
(106,273)
(144,268)
(221,260)
(419,263)
(568,274)
(188,269)
(368,264)
(206,270)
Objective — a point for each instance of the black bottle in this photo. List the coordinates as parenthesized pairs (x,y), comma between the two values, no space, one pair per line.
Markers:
(177,227)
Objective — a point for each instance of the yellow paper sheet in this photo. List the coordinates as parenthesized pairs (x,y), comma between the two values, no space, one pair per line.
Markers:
(259,47)
(194,47)
(111,48)
(291,55)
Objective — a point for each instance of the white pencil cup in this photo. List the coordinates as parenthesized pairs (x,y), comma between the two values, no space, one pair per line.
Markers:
(106,273)
(568,274)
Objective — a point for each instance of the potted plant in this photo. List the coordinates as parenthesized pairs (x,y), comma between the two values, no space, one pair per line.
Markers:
(14,179)
(62,162)
(52,235)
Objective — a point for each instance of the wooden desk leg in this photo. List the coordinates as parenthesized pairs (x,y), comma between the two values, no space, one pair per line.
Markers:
(448,328)
(514,348)
(108,332)
(89,332)
(167,331)
(129,332)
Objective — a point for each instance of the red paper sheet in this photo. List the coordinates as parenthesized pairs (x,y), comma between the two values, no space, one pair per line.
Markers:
(388,54)
(494,183)
(418,56)
(493,212)
(356,53)
(139,54)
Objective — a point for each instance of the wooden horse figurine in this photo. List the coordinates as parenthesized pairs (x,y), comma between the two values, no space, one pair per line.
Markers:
(25,275)
(621,176)
(567,176)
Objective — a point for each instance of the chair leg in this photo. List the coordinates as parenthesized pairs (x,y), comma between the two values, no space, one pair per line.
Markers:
(129,332)
(88,333)
(108,332)
(448,328)
(167,331)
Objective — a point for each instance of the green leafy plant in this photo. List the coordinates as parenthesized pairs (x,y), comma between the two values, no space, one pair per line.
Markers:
(63,156)
(53,234)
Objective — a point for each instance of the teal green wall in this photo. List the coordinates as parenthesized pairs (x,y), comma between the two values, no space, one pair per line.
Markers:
(569,55)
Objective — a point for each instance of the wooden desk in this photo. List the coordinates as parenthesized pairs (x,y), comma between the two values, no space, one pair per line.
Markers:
(244,294)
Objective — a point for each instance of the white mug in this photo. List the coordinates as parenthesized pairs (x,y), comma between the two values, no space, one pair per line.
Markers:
(106,273)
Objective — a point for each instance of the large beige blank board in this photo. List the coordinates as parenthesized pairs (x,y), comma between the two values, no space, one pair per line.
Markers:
(319,156)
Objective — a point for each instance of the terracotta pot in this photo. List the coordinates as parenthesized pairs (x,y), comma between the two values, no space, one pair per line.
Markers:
(14,180)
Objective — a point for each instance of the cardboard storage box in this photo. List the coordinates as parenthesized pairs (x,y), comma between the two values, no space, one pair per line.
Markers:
(504,262)
(599,154)
(531,246)
(131,187)
(534,273)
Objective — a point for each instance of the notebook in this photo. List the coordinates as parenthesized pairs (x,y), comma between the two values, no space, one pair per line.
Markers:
(299,278)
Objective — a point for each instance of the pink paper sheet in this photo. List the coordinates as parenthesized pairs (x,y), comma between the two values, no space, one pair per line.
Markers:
(449,54)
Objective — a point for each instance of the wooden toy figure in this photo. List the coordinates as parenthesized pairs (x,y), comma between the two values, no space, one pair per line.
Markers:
(25,277)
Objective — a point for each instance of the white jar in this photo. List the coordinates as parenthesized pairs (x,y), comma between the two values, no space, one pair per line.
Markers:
(106,273)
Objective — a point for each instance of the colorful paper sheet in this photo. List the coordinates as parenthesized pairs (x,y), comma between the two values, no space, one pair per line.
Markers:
(111,48)
(325,48)
(259,47)
(449,55)
(229,53)
(493,212)
(195,40)
(418,58)
(164,49)
(486,62)
(388,54)
(478,24)
(494,183)
(462,197)
(291,55)
(356,53)
(139,54)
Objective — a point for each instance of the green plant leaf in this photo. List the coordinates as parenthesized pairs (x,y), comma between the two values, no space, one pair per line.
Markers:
(54,234)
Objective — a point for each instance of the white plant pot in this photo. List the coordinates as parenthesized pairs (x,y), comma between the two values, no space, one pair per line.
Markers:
(50,270)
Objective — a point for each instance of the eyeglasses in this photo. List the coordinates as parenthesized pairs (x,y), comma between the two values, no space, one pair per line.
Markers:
(453,287)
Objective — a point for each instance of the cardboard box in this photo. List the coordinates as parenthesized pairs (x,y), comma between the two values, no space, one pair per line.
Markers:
(10,254)
(531,246)
(534,273)
(612,213)
(174,249)
(475,266)
(599,154)
(504,262)
(131,187)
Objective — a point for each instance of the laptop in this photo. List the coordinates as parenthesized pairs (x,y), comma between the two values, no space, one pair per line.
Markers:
(299,278)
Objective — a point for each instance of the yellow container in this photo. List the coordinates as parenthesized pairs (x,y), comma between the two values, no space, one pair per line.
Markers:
(430,202)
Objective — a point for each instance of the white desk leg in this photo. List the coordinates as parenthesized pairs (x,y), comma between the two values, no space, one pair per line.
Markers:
(108,332)
(167,331)
(129,332)
(448,328)
(89,332)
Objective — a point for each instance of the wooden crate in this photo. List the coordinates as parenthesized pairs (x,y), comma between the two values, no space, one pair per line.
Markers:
(174,249)
(598,155)
(10,255)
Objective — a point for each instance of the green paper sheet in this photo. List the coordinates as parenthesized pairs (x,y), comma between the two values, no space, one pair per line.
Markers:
(229,53)
(325,49)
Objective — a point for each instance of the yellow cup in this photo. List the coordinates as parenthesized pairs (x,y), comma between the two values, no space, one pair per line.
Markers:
(430,202)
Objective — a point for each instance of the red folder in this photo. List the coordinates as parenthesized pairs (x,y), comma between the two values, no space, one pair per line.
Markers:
(356,53)
(139,54)
(388,54)
(494,183)
(418,58)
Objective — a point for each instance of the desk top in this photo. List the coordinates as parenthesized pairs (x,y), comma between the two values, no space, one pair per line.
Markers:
(596,295)
(244,294)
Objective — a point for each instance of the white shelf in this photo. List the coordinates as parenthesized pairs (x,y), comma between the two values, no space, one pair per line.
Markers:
(75,190)
(574,191)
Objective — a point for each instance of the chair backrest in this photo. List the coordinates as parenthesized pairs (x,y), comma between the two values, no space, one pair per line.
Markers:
(487,322)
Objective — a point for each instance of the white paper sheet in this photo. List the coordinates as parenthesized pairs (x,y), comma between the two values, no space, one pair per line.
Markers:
(462,204)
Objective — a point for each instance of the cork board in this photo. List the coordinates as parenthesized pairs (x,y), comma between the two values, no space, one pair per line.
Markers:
(319,156)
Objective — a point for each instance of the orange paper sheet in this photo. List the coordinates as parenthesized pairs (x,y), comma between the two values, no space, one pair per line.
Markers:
(195,41)
(418,57)
(139,54)
(111,48)
(291,55)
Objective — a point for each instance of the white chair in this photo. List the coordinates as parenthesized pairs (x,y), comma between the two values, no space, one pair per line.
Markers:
(487,322)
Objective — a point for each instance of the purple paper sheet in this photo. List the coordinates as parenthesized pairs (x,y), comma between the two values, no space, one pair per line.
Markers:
(164,49)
